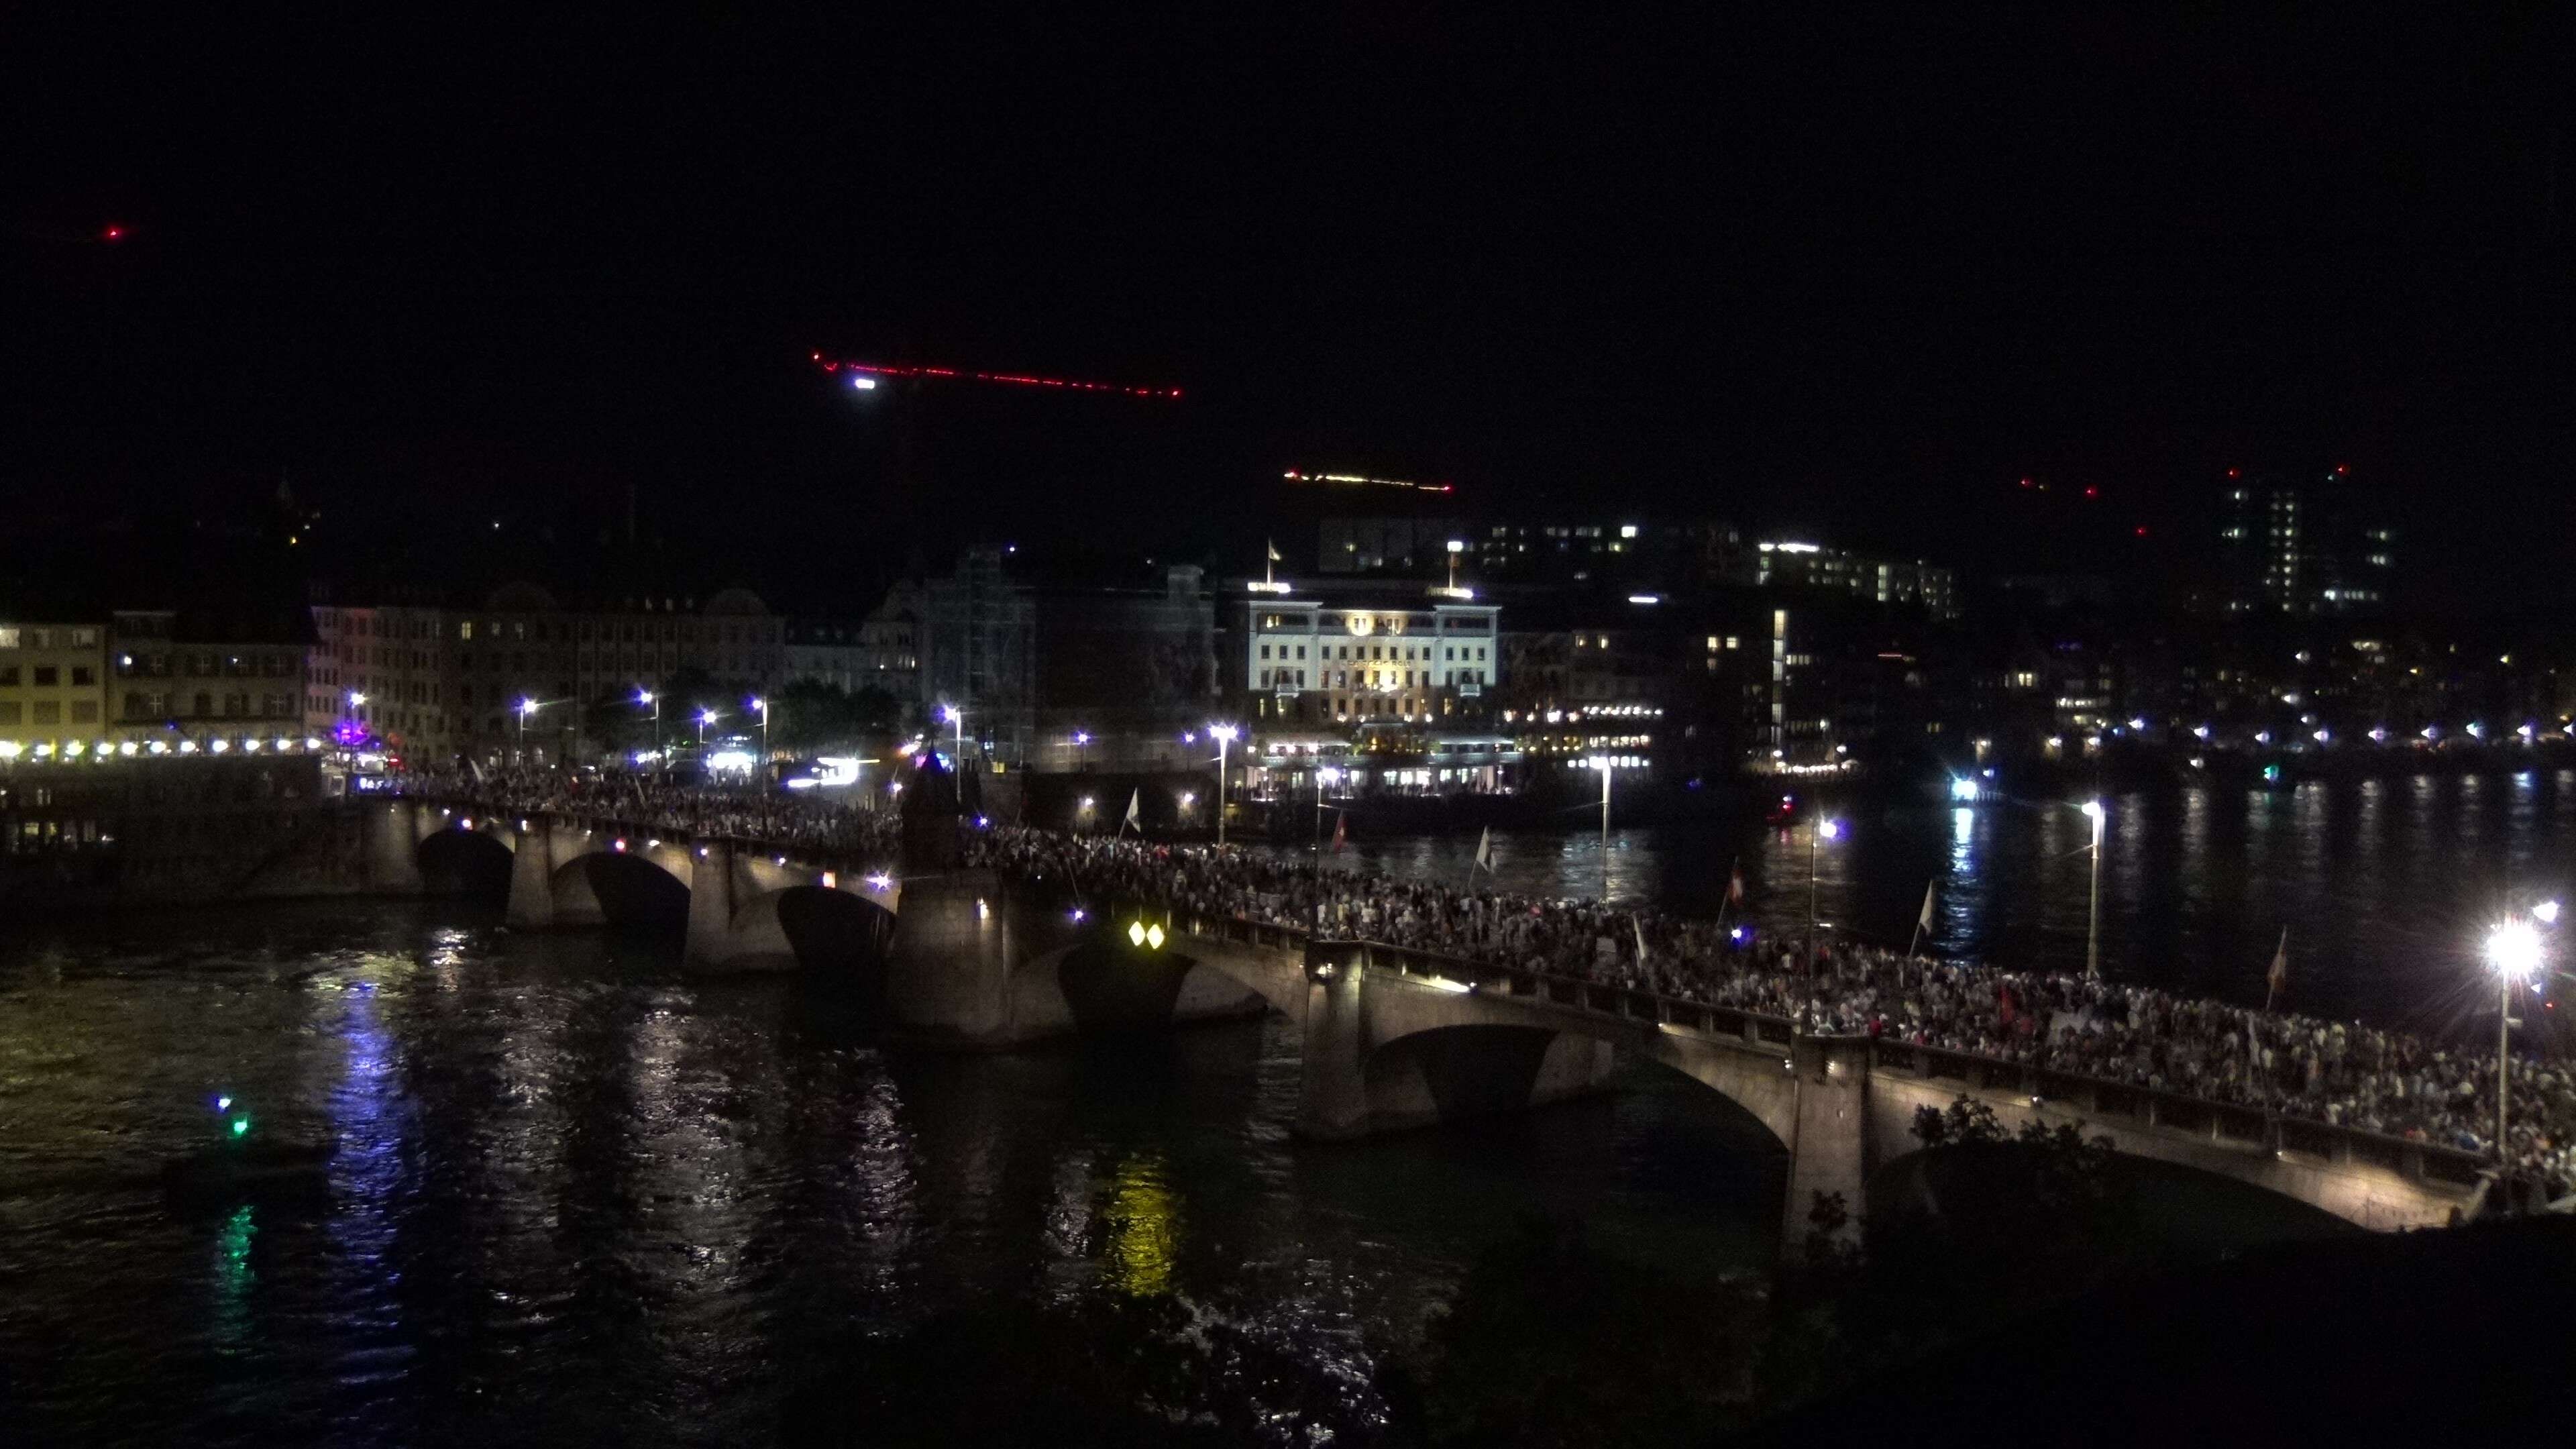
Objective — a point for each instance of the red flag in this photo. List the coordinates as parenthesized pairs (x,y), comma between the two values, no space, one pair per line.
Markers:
(2279,975)
(1340,839)
(1735,885)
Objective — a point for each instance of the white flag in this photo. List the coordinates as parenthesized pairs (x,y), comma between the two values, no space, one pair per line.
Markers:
(1640,926)
(1274,551)
(2279,975)
(1485,848)
(1925,919)
(1134,815)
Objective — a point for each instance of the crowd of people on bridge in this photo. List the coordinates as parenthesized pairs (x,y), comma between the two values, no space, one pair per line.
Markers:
(776,818)
(2342,1074)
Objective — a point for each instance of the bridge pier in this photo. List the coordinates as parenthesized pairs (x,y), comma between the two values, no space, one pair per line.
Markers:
(1829,1142)
(1332,1096)
(532,887)
(390,848)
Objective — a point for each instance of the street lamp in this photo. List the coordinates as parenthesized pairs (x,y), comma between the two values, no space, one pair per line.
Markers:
(2093,911)
(706,717)
(646,696)
(953,715)
(1824,830)
(761,703)
(1082,749)
(1225,734)
(2513,949)
(527,711)
(355,699)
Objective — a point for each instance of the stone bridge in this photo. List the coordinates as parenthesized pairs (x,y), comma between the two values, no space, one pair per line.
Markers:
(1393,1038)
(1397,1038)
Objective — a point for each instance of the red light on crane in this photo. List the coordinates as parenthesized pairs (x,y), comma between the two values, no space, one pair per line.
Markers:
(112,233)
(1018,379)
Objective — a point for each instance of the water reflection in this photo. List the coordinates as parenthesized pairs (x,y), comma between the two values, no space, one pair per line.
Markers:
(1143,1220)
(233,1280)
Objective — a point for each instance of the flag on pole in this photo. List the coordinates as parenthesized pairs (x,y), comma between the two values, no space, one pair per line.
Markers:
(1340,837)
(1924,920)
(1135,816)
(1274,551)
(1640,927)
(2280,974)
(1484,850)
(1735,885)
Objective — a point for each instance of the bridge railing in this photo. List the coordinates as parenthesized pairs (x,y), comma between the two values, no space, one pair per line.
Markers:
(2232,1124)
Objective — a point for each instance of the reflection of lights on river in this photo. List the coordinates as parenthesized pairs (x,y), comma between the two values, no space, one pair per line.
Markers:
(233,1277)
(1144,1231)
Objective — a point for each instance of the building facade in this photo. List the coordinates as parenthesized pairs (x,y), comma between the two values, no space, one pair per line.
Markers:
(211,675)
(53,686)
(1355,654)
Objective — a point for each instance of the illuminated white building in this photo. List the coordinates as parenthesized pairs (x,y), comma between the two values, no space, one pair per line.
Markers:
(1346,653)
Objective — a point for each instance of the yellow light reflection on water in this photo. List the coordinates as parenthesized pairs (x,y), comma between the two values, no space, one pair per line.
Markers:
(1144,1228)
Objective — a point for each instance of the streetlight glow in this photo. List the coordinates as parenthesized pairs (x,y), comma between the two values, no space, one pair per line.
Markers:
(2513,949)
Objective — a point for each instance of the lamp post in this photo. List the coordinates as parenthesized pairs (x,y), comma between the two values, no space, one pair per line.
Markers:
(706,717)
(956,717)
(2093,910)
(355,699)
(2513,949)
(527,711)
(1082,750)
(1823,830)
(646,696)
(1225,734)
(761,703)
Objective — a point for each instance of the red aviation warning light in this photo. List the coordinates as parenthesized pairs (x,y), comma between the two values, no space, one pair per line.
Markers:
(865,374)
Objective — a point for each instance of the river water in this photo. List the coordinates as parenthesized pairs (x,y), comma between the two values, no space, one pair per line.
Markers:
(579,1197)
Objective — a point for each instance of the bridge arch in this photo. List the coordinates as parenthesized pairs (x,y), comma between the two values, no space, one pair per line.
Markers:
(464,862)
(623,890)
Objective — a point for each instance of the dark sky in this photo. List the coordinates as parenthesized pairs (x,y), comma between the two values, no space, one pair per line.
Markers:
(1852,277)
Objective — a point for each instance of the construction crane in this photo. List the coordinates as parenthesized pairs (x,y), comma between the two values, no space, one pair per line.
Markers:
(865,376)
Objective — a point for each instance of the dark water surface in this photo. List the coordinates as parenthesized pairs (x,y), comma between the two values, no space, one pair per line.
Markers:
(579,1198)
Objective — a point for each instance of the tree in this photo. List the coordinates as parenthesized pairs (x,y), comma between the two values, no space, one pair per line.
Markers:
(1552,1342)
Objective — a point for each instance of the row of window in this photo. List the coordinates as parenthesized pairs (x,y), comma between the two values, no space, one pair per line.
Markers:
(206,666)
(1396,653)
(585,631)
(13,636)
(48,711)
(149,705)
(48,676)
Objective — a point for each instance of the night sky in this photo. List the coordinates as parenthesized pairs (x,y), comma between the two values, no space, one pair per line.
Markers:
(1854,278)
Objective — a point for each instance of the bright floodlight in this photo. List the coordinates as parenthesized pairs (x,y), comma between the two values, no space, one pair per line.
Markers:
(864,384)
(2093,809)
(1830,829)
(356,699)
(1224,732)
(527,706)
(2546,913)
(643,696)
(948,714)
(706,716)
(1963,789)
(2513,949)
